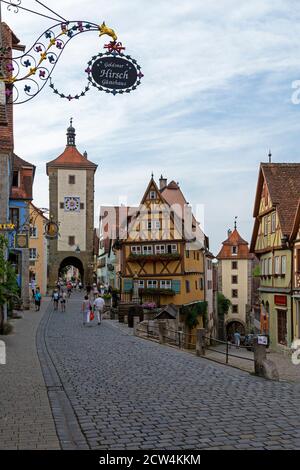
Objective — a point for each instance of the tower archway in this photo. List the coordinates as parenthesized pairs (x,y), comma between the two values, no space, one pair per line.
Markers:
(71,261)
(235,325)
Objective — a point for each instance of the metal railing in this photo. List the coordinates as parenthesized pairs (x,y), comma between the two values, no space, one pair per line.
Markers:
(228,346)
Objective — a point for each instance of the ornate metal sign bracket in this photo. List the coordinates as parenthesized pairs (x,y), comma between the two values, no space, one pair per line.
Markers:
(25,76)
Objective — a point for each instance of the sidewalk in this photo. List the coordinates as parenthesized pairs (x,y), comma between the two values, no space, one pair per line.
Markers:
(25,416)
(288,372)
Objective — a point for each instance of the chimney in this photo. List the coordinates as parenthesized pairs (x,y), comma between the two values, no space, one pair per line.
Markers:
(162,182)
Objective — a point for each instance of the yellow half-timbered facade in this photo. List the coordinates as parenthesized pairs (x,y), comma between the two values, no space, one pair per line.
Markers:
(163,252)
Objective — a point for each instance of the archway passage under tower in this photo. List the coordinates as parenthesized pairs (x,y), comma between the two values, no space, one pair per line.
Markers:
(233,326)
(71,261)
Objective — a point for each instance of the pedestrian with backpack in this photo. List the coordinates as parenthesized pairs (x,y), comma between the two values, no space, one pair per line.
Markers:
(37,299)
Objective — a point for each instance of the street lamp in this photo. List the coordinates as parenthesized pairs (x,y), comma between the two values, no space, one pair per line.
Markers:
(77,249)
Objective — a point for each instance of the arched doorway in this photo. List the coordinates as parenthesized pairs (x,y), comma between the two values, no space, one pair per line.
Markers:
(68,263)
(233,326)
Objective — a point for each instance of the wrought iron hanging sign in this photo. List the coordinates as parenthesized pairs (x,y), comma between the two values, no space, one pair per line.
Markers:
(51,231)
(25,76)
(114,73)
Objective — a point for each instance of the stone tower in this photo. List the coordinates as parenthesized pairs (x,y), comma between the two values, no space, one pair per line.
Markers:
(71,202)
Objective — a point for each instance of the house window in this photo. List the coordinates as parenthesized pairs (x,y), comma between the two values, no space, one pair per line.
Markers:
(141,284)
(235,309)
(234,265)
(160,249)
(32,254)
(234,279)
(71,179)
(33,232)
(201,283)
(14,216)
(136,250)
(262,267)
(196,285)
(270,267)
(152,194)
(147,250)
(282,327)
(283,265)
(166,284)
(153,225)
(277,264)
(72,241)
(187,253)
(152,284)
(273,222)
(15,179)
(209,285)
(266,225)
(172,248)
(187,287)
(234,250)
(266,266)
(298,261)
(234,293)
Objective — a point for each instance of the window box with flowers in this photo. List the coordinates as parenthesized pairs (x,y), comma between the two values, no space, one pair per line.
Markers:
(153,257)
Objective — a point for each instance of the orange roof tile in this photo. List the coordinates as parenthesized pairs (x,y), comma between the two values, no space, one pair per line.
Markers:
(234,239)
(71,158)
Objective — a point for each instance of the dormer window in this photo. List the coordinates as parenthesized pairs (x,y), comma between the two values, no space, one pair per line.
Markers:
(234,250)
(152,194)
(15,180)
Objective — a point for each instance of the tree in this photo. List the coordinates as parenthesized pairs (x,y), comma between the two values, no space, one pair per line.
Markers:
(223,307)
(8,281)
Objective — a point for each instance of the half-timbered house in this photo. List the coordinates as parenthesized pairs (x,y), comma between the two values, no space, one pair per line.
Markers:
(276,203)
(162,255)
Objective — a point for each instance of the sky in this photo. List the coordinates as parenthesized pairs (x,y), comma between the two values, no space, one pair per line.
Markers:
(216,96)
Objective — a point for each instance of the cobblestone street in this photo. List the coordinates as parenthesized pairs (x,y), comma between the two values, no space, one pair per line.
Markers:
(122,392)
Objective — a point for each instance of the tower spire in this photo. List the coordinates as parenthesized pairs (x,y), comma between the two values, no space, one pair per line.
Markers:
(235,222)
(71,135)
(270,156)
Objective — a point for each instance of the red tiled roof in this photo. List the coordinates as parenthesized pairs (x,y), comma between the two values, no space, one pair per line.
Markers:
(283,181)
(19,163)
(234,239)
(71,158)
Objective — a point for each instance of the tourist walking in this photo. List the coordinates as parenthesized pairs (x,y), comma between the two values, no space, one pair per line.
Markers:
(237,339)
(63,300)
(98,308)
(33,284)
(95,291)
(86,309)
(37,299)
(55,298)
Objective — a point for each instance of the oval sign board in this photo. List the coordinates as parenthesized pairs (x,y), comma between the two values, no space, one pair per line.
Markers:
(114,73)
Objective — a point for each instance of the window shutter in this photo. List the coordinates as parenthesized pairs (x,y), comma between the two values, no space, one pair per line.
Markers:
(127,285)
(61,205)
(81,205)
(176,286)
